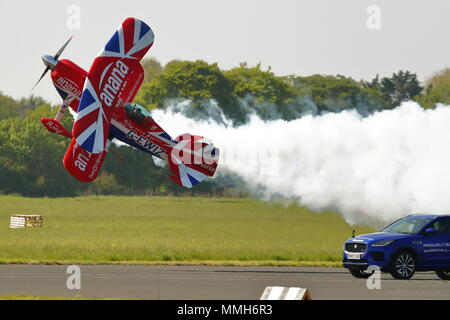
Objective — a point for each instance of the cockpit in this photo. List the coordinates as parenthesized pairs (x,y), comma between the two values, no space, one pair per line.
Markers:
(138,114)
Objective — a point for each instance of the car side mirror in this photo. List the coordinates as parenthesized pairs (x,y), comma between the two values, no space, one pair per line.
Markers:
(430,231)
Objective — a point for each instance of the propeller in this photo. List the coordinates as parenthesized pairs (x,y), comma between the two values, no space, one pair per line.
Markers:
(54,58)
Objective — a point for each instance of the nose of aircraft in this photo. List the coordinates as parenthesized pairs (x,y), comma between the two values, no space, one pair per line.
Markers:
(49,61)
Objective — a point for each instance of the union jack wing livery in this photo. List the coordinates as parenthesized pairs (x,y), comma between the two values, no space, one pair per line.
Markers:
(192,160)
(113,80)
(104,112)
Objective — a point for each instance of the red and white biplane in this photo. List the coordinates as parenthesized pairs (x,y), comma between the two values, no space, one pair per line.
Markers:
(101,99)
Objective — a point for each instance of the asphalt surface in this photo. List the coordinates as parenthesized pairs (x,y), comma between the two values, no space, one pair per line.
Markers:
(175,282)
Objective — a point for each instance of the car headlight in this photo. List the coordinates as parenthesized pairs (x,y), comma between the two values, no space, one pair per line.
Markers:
(382,243)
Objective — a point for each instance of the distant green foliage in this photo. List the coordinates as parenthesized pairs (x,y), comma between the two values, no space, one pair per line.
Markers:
(262,89)
(152,67)
(321,88)
(245,89)
(437,89)
(31,158)
(264,86)
(194,80)
(8,107)
(186,80)
(135,171)
(402,86)
(336,93)
(106,183)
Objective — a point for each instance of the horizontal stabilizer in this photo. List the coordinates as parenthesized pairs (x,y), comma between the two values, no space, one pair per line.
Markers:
(54,126)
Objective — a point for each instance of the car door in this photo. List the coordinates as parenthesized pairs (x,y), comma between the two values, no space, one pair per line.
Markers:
(436,247)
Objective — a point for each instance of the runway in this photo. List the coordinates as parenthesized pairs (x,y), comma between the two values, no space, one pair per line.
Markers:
(201,282)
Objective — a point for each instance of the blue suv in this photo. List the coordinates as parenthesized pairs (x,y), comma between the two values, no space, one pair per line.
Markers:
(414,243)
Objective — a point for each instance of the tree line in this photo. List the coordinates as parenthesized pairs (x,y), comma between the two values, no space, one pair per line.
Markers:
(31,158)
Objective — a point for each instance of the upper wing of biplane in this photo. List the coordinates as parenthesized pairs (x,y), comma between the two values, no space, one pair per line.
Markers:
(113,80)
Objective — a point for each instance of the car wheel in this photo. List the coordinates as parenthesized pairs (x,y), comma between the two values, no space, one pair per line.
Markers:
(360,274)
(444,275)
(403,265)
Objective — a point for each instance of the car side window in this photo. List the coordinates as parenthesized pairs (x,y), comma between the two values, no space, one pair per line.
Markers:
(442,226)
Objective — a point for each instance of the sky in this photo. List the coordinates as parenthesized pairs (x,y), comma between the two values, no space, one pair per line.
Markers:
(300,37)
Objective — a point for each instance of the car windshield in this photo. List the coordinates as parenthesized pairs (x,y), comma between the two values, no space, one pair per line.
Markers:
(409,225)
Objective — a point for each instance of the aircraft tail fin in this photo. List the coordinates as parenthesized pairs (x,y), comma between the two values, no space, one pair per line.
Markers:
(192,160)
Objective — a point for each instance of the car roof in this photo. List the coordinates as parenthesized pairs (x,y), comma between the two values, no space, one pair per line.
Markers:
(432,216)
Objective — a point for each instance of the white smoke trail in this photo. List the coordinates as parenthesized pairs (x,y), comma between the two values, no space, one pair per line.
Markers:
(372,170)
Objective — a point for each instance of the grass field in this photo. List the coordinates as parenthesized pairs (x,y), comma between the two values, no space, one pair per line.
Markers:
(166,230)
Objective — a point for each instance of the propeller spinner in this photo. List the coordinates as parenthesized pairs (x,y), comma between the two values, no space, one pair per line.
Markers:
(51,62)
